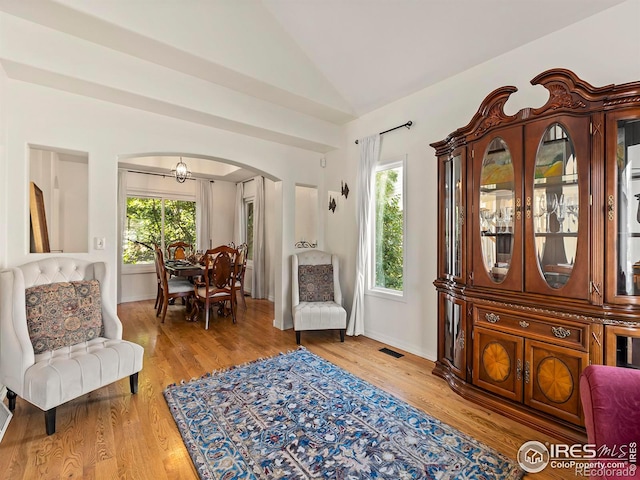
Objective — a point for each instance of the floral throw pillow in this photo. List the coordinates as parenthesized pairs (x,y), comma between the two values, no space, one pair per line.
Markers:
(315,283)
(63,314)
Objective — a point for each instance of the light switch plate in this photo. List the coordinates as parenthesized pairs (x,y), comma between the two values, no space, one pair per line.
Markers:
(99,243)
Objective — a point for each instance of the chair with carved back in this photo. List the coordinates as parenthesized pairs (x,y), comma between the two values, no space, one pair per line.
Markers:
(243,251)
(179,250)
(170,288)
(218,284)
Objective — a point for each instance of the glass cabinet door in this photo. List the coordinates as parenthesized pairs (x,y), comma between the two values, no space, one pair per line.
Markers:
(452,338)
(497,214)
(452,184)
(557,207)
(623,207)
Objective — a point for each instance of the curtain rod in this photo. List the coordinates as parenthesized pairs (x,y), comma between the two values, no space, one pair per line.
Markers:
(408,125)
(162,175)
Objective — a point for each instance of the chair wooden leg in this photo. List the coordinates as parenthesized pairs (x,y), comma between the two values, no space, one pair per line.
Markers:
(244,302)
(207,309)
(50,420)
(11,395)
(160,304)
(165,304)
(342,330)
(234,303)
(195,311)
(298,337)
(133,383)
(158,295)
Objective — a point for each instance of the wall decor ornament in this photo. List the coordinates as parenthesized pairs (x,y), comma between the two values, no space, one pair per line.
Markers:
(332,204)
(344,189)
(305,244)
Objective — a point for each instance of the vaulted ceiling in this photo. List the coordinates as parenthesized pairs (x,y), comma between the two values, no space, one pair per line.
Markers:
(288,71)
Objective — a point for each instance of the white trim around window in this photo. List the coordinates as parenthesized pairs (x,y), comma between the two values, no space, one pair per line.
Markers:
(388,293)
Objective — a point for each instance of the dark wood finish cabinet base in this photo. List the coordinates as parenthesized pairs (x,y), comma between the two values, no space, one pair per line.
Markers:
(539,249)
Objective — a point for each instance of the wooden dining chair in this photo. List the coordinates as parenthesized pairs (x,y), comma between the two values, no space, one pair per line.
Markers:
(178,250)
(158,280)
(171,288)
(243,251)
(218,284)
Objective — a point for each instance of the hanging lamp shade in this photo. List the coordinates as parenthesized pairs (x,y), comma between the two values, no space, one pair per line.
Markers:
(181,172)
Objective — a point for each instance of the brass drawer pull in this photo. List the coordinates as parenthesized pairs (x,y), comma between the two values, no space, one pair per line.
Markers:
(519,370)
(524,324)
(527,372)
(610,208)
(492,317)
(560,332)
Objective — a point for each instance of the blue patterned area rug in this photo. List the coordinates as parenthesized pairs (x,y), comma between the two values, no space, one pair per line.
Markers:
(297,416)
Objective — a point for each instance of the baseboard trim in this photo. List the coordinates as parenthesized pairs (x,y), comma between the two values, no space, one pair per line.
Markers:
(392,342)
(136,298)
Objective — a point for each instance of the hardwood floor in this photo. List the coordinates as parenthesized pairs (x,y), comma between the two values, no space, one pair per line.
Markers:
(110,433)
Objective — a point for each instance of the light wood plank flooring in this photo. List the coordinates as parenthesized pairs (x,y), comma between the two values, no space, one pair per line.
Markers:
(110,433)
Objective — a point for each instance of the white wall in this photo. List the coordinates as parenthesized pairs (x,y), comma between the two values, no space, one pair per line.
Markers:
(306,214)
(224,197)
(63,181)
(602,49)
(4,173)
(107,131)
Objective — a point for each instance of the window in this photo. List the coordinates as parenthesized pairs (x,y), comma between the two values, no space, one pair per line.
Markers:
(248,209)
(387,260)
(156,221)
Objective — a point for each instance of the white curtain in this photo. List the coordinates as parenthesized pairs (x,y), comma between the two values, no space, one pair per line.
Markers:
(369,155)
(239,227)
(204,213)
(257,279)
(122,226)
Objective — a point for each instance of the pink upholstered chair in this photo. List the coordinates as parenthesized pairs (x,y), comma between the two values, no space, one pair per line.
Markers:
(611,403)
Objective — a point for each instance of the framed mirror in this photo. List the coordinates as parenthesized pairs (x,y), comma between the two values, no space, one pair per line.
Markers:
(306,233)
(58,200)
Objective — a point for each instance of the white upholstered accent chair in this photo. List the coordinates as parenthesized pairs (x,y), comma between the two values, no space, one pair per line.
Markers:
(316,294)
(53,377)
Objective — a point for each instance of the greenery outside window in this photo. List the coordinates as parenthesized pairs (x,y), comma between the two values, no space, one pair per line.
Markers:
(156,221)
(248,210)
(388,230)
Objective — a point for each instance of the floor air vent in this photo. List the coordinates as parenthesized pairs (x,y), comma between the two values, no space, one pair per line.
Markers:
(393,353)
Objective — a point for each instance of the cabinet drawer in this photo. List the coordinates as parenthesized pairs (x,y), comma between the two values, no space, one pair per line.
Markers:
(560,332)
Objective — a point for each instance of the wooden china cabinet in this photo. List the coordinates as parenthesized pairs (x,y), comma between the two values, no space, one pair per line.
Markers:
(539,249)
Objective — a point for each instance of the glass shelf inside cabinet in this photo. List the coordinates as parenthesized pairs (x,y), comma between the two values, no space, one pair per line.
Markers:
(628,208)
(497,192)
(556,205)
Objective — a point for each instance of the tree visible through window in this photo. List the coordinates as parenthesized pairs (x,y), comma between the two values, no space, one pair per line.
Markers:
(249,218)
(388,248)
(156,221)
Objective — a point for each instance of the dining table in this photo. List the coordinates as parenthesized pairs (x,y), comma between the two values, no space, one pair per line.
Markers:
(183,268)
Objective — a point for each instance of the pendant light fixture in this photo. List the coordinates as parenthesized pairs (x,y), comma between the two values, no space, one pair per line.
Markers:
(181,172)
